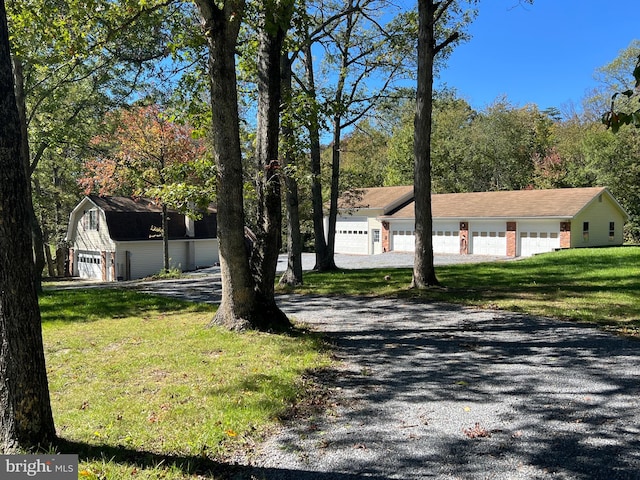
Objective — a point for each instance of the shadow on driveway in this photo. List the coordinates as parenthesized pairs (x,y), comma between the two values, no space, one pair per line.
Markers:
(440,391)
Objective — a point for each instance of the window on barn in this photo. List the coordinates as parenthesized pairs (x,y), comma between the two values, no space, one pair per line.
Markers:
(585,231)
(612,231)
(93,220)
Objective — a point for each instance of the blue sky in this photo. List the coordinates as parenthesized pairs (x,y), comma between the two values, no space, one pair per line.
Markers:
(545,53)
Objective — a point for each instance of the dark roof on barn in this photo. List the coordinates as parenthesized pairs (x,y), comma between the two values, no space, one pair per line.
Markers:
(141,219)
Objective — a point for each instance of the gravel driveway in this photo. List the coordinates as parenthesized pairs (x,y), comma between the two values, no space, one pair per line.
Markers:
(440,391)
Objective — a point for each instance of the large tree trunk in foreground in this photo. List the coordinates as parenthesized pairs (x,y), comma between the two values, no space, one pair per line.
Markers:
(245,302)
(221,28)
(423,267)
(26,420)
(274,24)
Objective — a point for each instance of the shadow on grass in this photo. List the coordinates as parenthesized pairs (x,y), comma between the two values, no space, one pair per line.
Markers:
(193,465)
(86,305)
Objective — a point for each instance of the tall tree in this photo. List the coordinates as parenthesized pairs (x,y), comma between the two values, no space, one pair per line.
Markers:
(360,48)
(26,420)
(357,48)
(430,15)
(274,22)
(293,274)
(247,302)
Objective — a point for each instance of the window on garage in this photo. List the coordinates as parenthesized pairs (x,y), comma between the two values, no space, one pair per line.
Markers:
(585,231)
(612,231)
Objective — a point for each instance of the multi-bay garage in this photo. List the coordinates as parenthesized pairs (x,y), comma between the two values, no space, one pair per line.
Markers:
(512,223)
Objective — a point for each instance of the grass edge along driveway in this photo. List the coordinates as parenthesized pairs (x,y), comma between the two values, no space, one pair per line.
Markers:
(595,285)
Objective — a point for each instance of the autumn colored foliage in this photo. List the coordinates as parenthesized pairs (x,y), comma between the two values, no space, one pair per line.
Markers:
(143,149)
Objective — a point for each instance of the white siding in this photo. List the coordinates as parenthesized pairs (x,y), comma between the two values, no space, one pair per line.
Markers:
(207,253)
(146,256)
(599,214)
(92,239)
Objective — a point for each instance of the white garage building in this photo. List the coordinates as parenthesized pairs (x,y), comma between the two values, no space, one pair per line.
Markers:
(511,223)
(120,238)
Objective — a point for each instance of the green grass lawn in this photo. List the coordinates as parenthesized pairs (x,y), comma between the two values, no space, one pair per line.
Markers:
(140,387)
(598,285)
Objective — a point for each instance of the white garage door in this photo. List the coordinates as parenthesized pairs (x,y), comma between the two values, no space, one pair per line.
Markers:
(352,235)
(538,237)
(446,237)
(89,265)
(403,237)
(488,238)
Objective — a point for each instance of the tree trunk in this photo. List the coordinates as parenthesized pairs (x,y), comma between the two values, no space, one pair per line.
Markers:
(61,260)
(26,420)
(241,306)
(51,265)
(264,260)
(323,260)
(221,26)
(293,275)
(25,152)
(423,268)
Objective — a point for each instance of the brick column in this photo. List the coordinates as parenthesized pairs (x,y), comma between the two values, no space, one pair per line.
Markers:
(464,238)
(72,261)
(386,240)
(565,234)
(103,265)
(512,241)
(112,265)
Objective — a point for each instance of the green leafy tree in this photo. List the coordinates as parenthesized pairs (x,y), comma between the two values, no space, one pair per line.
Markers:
(74,61)
(625,105)
(506,140)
